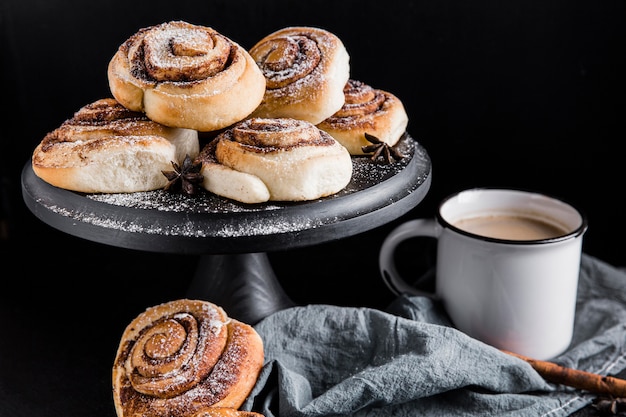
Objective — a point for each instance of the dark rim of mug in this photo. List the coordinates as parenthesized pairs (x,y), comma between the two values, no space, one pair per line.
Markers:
(581,229)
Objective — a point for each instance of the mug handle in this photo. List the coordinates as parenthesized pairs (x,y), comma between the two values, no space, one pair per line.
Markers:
(386,262)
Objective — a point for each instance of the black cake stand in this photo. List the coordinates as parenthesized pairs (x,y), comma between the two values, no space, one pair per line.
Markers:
(233,238)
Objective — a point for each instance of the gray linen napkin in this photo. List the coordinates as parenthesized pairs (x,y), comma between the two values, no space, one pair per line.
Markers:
(324,360)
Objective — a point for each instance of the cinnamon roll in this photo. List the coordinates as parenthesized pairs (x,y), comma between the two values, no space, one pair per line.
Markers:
(305,70)
(106,148)
(185,358)
(263,159)
(185,75)
(366,110)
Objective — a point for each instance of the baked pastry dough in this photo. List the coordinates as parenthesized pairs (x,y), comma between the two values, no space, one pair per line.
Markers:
(185,358)
(262,159)
(106,148)
(306,69)
(366,110)
(185,75)
(225,412)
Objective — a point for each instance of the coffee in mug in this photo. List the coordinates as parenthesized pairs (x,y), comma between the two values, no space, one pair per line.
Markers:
(507,267)
(511,227)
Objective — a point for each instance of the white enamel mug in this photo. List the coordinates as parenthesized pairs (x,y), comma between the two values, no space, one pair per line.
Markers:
(514,293)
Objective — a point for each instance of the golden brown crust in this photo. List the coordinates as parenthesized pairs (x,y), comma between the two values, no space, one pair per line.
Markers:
(282,159)
(186,75)
(366,110)
(305,69)
(105,147)
(226,412)
(185,358)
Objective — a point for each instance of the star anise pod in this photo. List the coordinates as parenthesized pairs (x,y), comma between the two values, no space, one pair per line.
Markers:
(380,148)
(186,177)
(610,406)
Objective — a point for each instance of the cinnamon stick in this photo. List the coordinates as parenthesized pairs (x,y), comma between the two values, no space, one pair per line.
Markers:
(606,385)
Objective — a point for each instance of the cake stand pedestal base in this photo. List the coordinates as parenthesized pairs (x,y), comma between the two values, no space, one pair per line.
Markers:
(243,284)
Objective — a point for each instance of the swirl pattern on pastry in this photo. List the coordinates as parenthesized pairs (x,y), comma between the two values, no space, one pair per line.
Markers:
(366,110)
(263,159)
(106,148)
(305,69)
(186,75)
(185,358)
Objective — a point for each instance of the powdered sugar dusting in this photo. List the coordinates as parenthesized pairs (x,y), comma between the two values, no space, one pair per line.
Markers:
(163,201)
(164,42)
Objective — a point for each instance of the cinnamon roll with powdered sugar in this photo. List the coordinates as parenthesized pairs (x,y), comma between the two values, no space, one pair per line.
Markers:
(186,75)
(305,70)
(106,148)
(263,159)
(366,110)
(186,358)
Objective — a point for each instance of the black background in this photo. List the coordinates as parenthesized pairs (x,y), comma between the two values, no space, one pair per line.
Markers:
(527,94)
